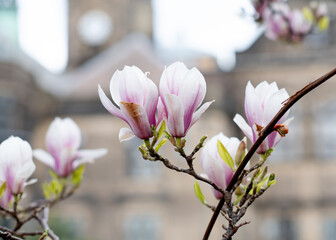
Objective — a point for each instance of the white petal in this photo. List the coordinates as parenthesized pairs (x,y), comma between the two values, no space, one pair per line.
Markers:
(125,134)
(199,112)
(242,124)
(88,156)
(109,105)
(44,157)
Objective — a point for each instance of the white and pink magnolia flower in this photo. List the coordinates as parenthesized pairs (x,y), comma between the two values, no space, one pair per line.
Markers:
(63,140)
(214,166)
(261,105)
(182,92)
(299,25)
(276,17)
(285,24)
(16,161)
(137,97)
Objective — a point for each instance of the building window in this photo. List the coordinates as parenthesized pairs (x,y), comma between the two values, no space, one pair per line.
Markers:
(324,130)
(278,229)
(291,147)
(8,24)
(141,227)
(329,229)
(137,167)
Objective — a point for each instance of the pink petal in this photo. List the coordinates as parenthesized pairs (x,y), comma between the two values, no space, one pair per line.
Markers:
(172,78)
(161,112)
(132,85)
(247,130)
(109,105)
(137,119)
(151,101)
(253,105)
(175,111)
(125,134)
(191,92)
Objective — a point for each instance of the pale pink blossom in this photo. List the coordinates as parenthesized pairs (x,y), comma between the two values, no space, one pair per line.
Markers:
(182,92)
(63,140)
(16,161)
(276,18)
(214,166)
(299,25)
(136,97)
(261,105)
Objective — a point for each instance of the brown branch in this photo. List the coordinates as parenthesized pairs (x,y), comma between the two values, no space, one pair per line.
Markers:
(265,132)
(190,171)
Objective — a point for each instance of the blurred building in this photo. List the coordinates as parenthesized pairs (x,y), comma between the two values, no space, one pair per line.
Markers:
(125,197)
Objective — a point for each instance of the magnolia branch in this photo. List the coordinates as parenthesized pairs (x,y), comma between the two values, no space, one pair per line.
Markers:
(264,133)
(189,159)
(34,211)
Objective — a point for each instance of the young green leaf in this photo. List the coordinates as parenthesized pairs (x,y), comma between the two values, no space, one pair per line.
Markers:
(224,154)
(162,129)
(77,176)
(198,192)
(160,144)
(2,189)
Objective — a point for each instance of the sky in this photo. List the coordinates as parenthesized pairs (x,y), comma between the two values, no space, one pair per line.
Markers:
(218,28)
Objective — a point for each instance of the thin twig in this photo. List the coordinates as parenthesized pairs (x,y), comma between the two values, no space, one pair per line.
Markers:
(265,132)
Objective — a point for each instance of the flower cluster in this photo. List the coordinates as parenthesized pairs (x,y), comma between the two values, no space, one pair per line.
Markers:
(16,158)
(221,155)
(62,141)
(291,25)
(137,100)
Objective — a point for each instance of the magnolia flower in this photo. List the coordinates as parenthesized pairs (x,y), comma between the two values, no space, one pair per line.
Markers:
(276,20)
(137,97)
(182,92)
(261,105)
(214,166)
(62,141)
(16,161)
(299,25)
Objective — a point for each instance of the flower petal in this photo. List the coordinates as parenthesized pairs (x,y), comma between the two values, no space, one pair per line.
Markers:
(132,85)
(273,105)
(151,102)
(175,111)
(199,113)
(115,88)
(253,107)
(44,157)
(242,124)
(137,119)
(191,93)
(109,106)
(88,156)
(125,134)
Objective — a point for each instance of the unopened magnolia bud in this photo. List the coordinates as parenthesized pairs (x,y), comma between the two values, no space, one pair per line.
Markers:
(263,174)
(241,152)
(239,191)
(282,129)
